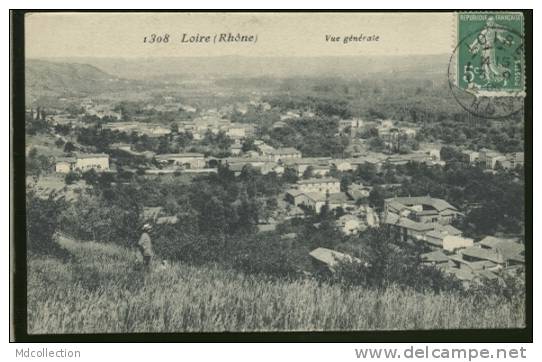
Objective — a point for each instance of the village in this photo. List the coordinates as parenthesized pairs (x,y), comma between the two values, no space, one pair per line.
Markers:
(315,182)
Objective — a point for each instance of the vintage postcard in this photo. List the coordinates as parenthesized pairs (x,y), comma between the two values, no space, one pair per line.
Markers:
(275,171)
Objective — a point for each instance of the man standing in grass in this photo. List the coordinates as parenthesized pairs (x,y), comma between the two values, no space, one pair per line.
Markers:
(145,246)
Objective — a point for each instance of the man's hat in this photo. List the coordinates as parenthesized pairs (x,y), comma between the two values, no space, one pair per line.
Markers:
(147,227)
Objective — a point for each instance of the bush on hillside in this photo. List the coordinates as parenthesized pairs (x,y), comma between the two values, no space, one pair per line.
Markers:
(42,216)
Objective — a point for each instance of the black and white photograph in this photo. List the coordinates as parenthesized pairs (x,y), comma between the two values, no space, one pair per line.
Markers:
(254,172)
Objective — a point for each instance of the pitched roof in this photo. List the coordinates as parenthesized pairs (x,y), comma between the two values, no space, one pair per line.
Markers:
(404,222)
(266,227)
(181,155)
(294,192)
(463,274)
(437,234)
(311,160)
(336,197)
(317,181)
(331,257)
(481,265)
(436,256)
(484,254)
(451,230)
(65,159)
(284,151)
(92,155)
(509,248)
(487,274)
(438,204)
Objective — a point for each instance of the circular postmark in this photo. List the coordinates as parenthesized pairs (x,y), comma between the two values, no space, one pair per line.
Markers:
(486,71)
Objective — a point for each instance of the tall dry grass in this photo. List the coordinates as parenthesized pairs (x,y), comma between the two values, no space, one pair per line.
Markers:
(103,290)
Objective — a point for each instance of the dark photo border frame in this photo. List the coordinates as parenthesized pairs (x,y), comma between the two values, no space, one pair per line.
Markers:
(18,252)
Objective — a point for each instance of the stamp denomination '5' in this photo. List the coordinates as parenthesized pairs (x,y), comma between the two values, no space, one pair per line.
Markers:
(490,56)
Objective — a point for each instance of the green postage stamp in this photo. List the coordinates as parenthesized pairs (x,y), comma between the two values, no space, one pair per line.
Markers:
(489,55)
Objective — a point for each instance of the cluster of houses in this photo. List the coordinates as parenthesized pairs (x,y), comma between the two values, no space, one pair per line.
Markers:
(213,122)
(315,193)
(491,159)
(420,219)
(427,220)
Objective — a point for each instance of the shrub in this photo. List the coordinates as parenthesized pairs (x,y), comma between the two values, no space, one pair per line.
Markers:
(109,215)
(266,255)
(42,216)
(71,177)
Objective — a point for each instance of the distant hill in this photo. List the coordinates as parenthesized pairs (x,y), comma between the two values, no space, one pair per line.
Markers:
(45,78)
(168,68)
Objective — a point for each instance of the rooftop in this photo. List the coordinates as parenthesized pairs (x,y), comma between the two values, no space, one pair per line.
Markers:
(438,204)
(181,155)
(284,151)
(318,181)
(336,197)
(487,274)
(509,248)
(65,159)
(92,155)
(484,254)
(436,256)
(294,192)
(331,257)
(404,222)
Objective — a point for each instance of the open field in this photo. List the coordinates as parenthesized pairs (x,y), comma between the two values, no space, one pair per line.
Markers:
(102,289)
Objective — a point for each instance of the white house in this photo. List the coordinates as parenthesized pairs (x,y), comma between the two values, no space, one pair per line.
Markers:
(329,259)
(342,165)
(64,164)
(96,161)
(490,158)
(471,156)
(187,160)
(316,201)
(320,185)
(285,153)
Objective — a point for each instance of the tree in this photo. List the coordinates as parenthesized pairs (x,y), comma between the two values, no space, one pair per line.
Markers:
(214,222)
(59,142)
(346,181)
(308,173)
(448,153)
(36,164)
(174,128)
(290,175)
(376,199)
(105,179)
(248,145)
(376,144)
(69,147)
(42,221)
(90,177)
(366,172)
(71,177)
(369,132)
(183,139)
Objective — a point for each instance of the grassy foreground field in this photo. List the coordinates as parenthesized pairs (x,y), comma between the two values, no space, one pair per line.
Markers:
(102,290)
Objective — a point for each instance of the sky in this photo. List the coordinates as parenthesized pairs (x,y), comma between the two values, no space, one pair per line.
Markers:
(120,35)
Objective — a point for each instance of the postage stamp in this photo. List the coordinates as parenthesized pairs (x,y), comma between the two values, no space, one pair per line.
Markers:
(486,72)
(490,57)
